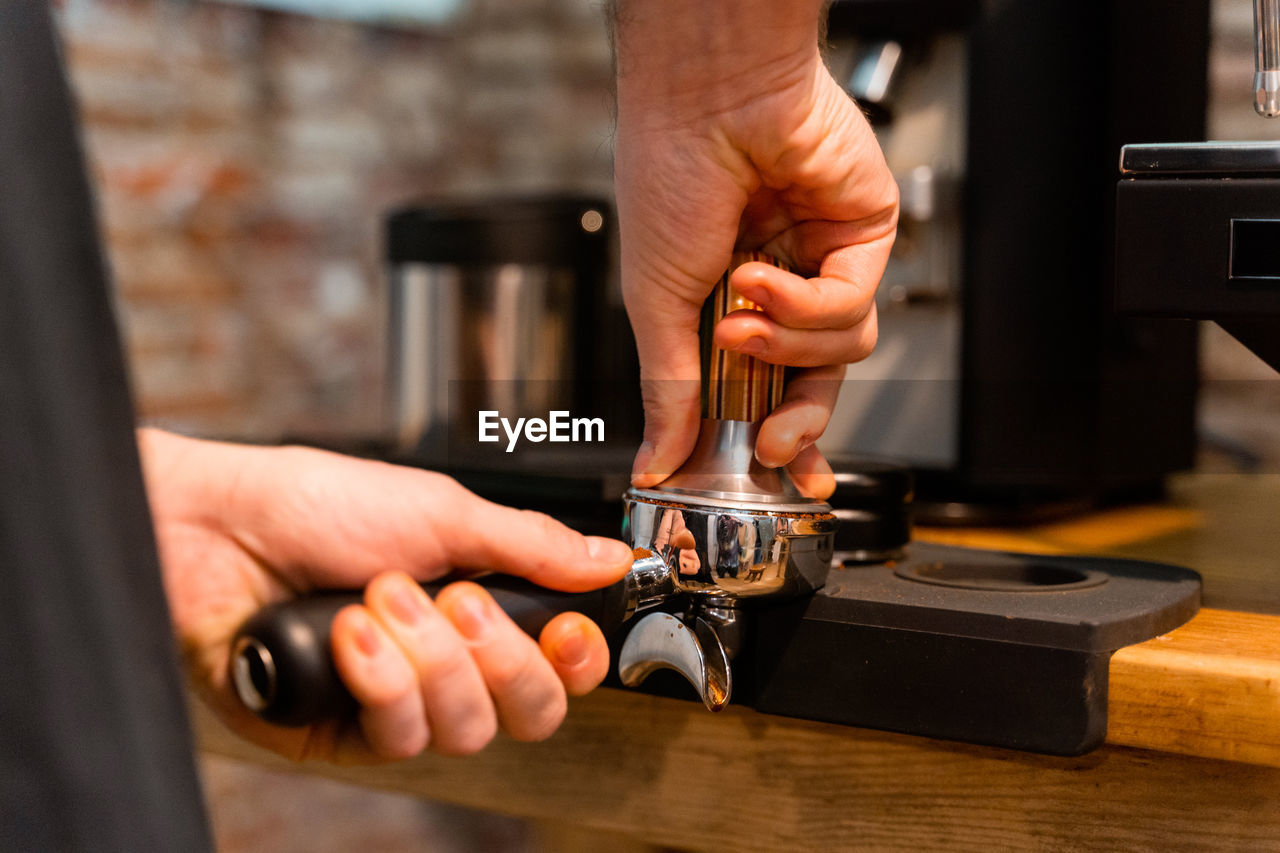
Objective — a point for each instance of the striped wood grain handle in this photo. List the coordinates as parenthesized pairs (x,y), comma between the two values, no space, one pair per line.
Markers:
(735,386)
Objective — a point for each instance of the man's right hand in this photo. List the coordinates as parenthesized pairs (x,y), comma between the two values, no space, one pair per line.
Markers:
(732,135)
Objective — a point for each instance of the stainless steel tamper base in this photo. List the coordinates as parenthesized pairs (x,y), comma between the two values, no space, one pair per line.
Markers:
(723,467)
(728,530)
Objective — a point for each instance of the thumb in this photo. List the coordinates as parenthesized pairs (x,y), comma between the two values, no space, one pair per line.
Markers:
(320,520)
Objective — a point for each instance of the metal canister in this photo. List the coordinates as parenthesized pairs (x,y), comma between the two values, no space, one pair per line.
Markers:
(494,304)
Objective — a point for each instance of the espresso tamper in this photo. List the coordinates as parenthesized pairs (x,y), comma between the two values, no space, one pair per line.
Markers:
(730,533)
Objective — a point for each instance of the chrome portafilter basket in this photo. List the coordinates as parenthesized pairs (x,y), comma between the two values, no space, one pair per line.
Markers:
(723,533)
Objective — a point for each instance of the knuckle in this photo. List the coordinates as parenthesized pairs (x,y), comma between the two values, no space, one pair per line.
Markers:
(542,721)
(376,590)
(311,485)
(805,349)
(439,661)
(860,341)
(544,525)
(827,299)
(449,490)
(397,750)
(553,538)
(892,195)
(468,737)
(377,701)
(870,336)
(506,672)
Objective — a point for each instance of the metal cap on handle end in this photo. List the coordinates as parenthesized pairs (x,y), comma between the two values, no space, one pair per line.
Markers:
(253,673)
(281,667)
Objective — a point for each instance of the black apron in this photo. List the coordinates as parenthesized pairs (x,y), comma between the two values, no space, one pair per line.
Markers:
(95,749)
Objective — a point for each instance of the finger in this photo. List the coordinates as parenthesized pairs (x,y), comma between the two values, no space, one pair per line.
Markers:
(329,521)
(811,474)
(454,697)
(671,416)
(532,545)
(805,303)
(527,694)
(577,651)
(801,418)
(853,251)
(382,681)
(670,371)
(755,334)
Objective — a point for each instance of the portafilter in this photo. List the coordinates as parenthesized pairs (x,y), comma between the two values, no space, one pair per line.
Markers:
(715,539)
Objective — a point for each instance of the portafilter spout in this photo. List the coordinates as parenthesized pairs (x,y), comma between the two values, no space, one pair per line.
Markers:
(729,530)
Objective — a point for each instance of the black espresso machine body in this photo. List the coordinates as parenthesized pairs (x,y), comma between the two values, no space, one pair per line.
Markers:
(1002,374)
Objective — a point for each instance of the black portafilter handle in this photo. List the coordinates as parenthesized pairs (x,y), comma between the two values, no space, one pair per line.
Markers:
(282,664)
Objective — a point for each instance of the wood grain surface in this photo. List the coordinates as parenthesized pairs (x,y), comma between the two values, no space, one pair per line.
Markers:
(674,774)
(1210,688)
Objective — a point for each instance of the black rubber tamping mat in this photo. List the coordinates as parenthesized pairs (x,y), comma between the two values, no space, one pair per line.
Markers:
(980,646)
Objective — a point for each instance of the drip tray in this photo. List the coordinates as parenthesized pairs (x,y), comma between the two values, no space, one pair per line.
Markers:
(979,646)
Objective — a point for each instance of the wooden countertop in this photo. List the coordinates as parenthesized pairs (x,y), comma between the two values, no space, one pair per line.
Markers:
(1192,761)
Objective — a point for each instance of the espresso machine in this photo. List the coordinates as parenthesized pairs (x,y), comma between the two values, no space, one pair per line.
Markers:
(1002,375)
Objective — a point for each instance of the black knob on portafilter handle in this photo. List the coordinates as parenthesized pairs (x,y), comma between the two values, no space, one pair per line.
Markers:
(282,664)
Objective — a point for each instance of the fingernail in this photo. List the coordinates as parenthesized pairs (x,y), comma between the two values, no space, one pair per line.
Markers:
(605,550)
(752,346)
(367,638)
(471,616)
(405,605)
(573,648)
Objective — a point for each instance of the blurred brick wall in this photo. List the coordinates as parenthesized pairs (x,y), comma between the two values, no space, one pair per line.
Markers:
(244,160)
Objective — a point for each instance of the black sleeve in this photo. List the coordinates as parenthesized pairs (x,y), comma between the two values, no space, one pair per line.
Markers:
(95,749)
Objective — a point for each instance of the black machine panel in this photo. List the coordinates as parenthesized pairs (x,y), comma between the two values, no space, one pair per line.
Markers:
(1059,395)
